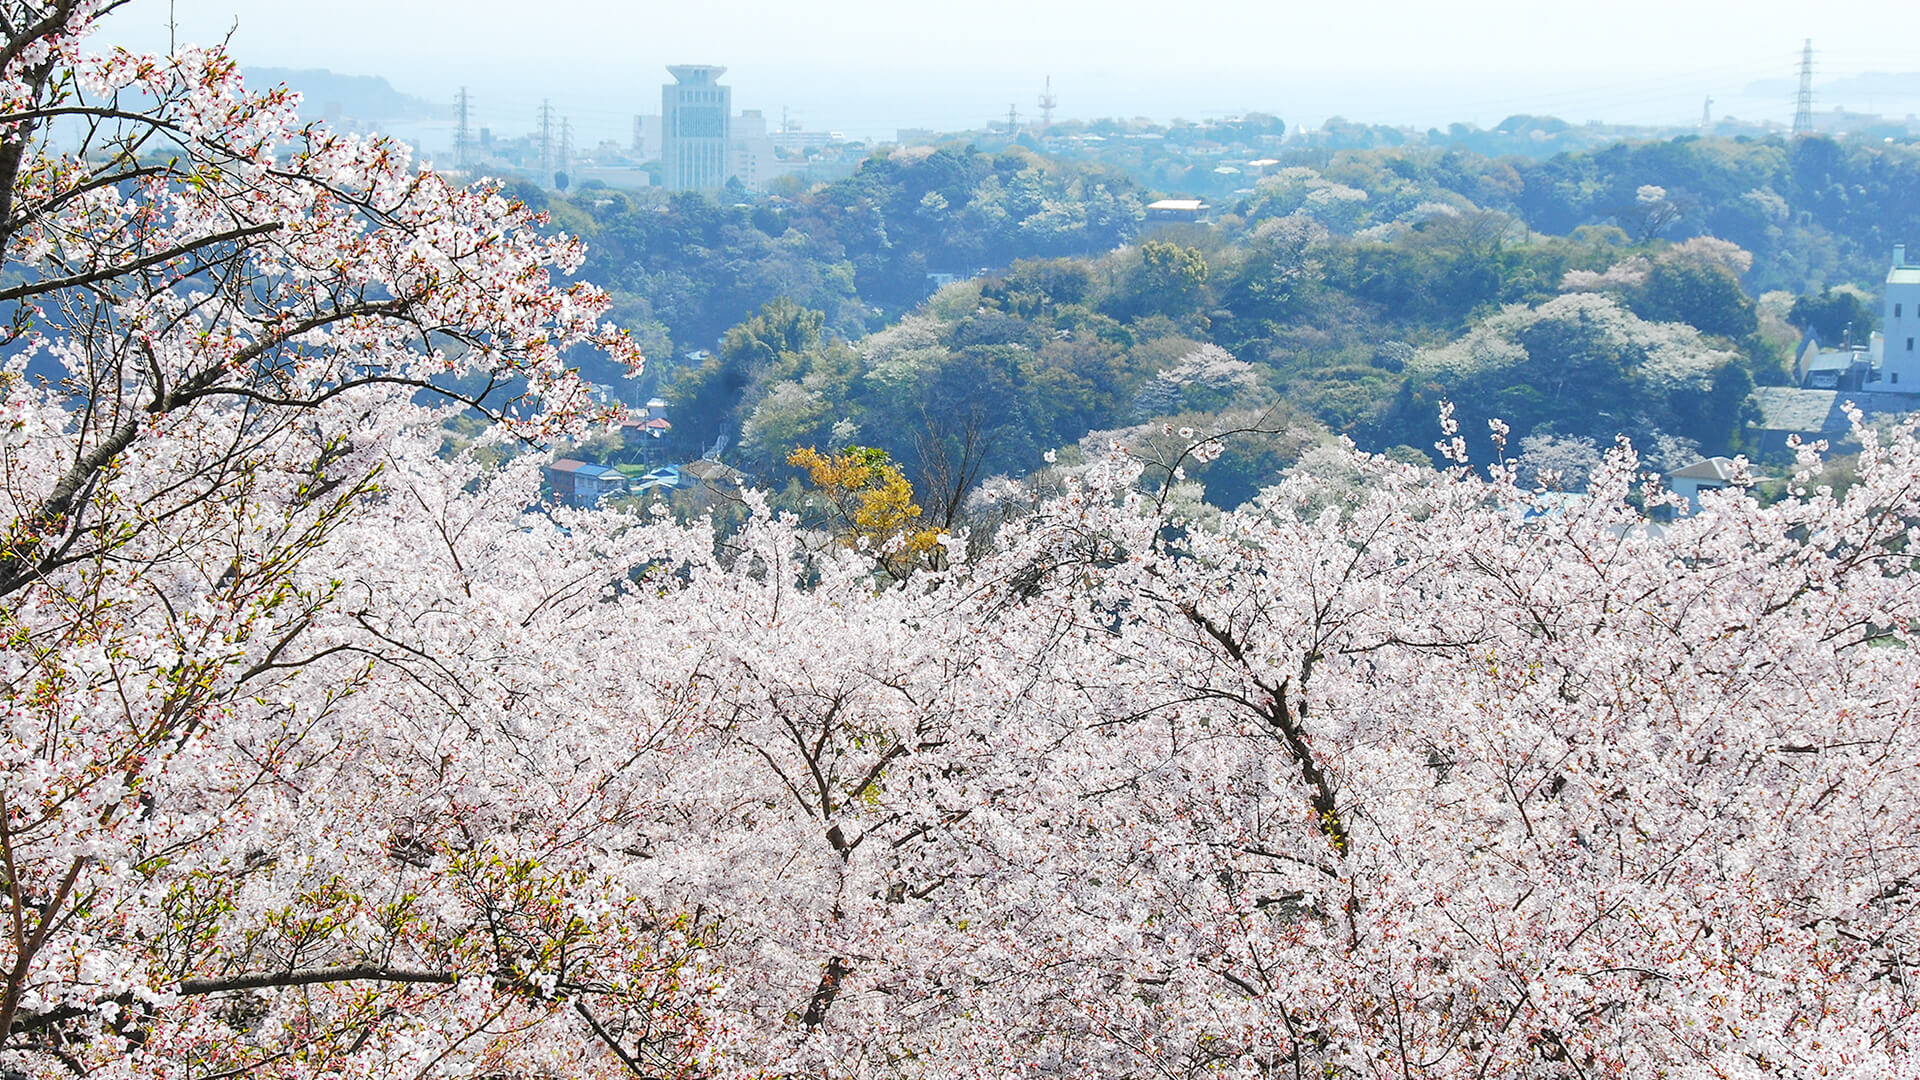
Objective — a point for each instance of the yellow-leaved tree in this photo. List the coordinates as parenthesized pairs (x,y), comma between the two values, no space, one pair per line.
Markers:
(872,505)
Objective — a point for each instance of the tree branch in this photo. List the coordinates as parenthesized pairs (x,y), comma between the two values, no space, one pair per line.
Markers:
(158,257)
(1281,717)
(19,43)
(313,976)
(824,994)
(605,1036)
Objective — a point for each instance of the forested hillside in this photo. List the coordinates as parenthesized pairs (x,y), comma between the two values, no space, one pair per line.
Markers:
(1640,290)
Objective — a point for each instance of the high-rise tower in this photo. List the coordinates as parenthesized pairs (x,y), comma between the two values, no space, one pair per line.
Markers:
(695,117)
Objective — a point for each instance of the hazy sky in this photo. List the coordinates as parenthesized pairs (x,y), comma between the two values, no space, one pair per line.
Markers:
(867,66)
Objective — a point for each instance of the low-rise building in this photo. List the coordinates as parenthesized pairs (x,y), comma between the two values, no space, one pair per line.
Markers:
(1888,362)
(665,478)
(649,420)
(1707,474)
(1189,210)
(581,483)
(1845,368)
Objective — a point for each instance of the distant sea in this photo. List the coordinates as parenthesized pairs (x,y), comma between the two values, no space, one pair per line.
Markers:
(600,105)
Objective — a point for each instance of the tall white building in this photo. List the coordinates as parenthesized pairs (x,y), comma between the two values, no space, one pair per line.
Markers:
(1898,342)
(695,117)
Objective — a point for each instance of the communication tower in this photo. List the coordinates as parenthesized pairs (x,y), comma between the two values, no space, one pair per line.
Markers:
(461,104)
(1803,102)
(1047,104)
(546,138)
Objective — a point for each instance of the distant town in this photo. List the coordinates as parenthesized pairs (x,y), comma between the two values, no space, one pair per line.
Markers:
(698,141)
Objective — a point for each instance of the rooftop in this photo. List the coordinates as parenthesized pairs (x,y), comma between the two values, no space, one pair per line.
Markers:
(1903,272)
(1713,468)
(582,468)
(1837,359)
(696,73)
(1784,408)
(711,471)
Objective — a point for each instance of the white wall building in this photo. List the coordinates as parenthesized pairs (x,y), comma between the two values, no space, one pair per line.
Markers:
(1897,345)
(751,151)
(647,143)
(695,118)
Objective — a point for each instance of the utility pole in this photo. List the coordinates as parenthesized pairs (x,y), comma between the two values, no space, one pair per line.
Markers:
(461,103)
(1047,103)
(1803,103)
(546,142)
(566,146)
(1706,114)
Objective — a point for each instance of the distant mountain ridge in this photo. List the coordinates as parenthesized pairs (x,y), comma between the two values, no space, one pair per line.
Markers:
(1872,84)
(363,97)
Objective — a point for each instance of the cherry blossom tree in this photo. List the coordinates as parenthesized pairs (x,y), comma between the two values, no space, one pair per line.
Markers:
(219,324)
(1446,781)
(330,750)
(1441,779)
